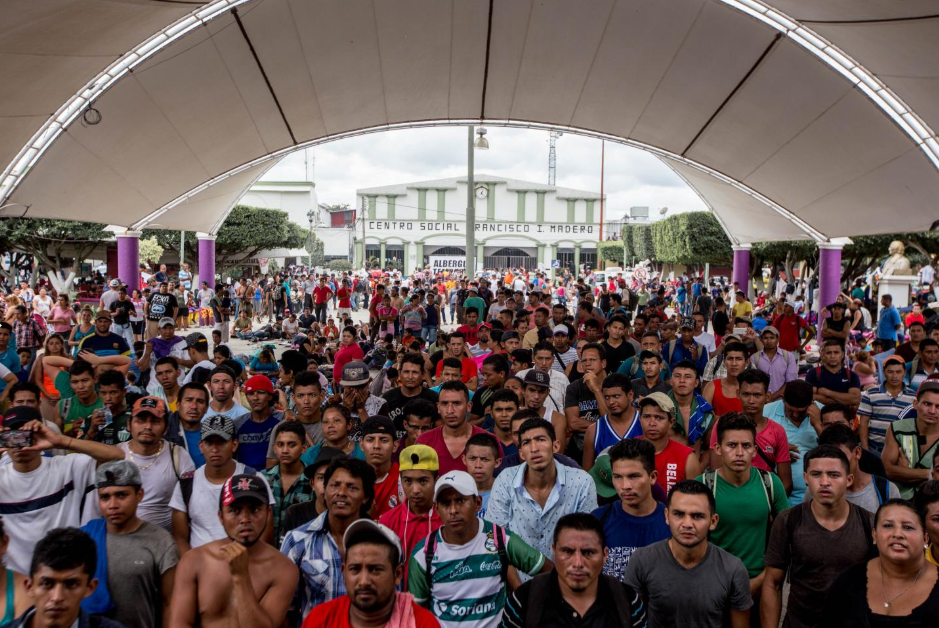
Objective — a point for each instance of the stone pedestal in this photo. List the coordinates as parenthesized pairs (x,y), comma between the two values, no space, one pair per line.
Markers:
(897,286)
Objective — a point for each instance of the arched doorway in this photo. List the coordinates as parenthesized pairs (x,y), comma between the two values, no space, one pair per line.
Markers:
(510,258)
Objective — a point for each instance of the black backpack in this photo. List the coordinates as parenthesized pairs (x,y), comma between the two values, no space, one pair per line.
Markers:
(185,486)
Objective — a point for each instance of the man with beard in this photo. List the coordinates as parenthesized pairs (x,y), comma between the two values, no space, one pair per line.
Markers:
(317,547)
(238,580)
(576,588)
(685,580)
(371,571)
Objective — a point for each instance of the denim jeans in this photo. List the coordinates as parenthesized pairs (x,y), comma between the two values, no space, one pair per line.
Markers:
(124,331)
(429,334)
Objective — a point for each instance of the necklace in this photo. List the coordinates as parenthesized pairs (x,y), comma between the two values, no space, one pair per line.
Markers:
(130,454)
(883,589)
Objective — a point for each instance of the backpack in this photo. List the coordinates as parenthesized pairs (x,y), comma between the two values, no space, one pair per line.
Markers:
(794,518)
(186,484)
(754,359)
(818,372)
(766,479)
(431,548)
(882,488)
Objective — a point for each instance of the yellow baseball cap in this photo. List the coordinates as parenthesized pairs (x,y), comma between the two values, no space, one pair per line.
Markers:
(418,458)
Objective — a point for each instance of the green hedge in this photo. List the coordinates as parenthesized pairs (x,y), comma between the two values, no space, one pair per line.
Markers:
(690,238)
(611,251)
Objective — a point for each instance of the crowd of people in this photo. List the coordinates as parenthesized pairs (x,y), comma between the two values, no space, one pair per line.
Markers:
(562,453)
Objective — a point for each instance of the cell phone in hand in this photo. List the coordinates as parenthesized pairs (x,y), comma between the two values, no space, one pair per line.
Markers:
(740,331)
(16,439)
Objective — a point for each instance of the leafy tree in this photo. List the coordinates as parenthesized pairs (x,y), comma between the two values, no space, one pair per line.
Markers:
(245,232)
(170,239)
(59,246)
(642,246)
(150,250)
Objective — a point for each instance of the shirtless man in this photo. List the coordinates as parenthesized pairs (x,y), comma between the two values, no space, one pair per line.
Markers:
(240,581)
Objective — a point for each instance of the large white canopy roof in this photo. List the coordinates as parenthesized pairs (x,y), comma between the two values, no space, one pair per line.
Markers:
(812,122)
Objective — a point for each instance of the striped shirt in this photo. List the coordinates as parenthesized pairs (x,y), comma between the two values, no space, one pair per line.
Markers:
(313,550)
(467,579)
(882,409)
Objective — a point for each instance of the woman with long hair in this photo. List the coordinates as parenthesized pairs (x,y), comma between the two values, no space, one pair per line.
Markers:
(137,319)
(898,587)
(44,373)
(85,327)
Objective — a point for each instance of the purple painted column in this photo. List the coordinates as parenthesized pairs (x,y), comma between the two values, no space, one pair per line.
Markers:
(206,260)
(128,258)
(742,267)
(829,277)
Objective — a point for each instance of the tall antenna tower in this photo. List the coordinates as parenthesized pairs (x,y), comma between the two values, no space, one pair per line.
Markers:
(552,156)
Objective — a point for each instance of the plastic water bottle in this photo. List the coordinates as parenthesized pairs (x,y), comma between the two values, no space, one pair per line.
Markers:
(108,417)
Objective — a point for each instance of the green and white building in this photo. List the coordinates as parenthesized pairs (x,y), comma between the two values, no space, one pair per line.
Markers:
(518,223)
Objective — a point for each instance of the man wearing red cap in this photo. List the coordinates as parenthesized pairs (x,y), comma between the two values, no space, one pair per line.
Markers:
(254,432)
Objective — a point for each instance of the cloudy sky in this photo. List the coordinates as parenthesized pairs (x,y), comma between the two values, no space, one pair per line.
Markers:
(633,177)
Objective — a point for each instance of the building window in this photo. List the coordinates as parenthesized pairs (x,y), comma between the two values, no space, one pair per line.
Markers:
(449,250)
(510,258)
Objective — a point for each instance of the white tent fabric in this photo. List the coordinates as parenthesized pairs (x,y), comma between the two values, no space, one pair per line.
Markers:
(741,111)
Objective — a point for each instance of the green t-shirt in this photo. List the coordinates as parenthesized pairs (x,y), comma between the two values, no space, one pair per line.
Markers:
(744,518)
(479,304)
(74,414)
(468,588)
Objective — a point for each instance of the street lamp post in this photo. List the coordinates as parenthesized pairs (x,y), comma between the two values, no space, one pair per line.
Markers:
(481,143)
(309,239)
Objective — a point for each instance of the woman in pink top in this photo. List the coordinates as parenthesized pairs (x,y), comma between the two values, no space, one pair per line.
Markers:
(61,316)
(349,351)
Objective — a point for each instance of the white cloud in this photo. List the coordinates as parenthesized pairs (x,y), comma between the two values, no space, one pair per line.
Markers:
(633,177)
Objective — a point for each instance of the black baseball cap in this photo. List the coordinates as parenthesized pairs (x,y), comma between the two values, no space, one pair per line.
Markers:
(19,416)
(537,378)
(243,486)
(378,424)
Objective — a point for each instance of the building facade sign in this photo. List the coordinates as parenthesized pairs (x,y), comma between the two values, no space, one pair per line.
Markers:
(481,227)
(441,263)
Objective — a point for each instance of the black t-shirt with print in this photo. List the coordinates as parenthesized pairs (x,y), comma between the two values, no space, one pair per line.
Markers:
(161,305)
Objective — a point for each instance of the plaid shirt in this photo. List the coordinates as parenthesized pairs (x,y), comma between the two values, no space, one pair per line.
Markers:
(316,554)
(300,491)
(26,334)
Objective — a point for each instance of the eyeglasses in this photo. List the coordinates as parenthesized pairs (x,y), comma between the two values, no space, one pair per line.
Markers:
(419,428)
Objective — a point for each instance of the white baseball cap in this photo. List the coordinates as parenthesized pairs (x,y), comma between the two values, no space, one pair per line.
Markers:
(368,526)
(460,481)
